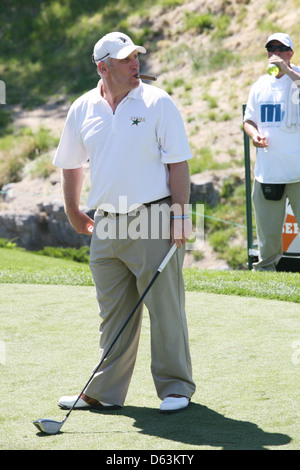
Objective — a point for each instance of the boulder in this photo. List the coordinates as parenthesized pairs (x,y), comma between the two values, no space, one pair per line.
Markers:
(203,189)
(47,226)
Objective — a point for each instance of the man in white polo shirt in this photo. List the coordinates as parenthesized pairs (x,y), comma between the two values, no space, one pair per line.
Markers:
(272,120)
(134,138)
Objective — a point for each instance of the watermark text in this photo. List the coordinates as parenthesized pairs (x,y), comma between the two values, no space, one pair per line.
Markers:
(2,92)
(296,353)
(2,353)
(154,222)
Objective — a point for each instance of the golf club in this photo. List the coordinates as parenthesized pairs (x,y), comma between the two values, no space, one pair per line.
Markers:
(50,426)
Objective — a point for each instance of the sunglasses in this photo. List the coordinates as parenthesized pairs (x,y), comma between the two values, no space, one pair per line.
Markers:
(278,48)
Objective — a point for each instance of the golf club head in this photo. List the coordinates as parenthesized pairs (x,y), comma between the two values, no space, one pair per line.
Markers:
(48,426)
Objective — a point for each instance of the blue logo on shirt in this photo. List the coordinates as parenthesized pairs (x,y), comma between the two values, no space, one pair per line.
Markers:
(271,113)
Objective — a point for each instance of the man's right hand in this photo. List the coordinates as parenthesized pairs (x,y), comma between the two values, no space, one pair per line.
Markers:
(81,222)
(259,140)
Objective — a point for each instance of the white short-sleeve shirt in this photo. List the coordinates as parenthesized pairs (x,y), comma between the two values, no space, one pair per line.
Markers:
(128,151)
(267,108)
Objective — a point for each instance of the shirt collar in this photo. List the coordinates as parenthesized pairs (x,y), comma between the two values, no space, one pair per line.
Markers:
(96,94)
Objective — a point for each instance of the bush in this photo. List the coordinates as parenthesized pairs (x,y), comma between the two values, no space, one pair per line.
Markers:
(199,22)
(4,243)
(18,148)
(81,255)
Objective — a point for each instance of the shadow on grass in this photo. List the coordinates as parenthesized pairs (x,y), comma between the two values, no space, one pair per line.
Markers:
(201,426)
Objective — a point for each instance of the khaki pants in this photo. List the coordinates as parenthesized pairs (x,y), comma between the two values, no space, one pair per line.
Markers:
(122,269)
(270,217)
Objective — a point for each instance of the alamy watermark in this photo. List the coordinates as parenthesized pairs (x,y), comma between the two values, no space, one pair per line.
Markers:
(153,223)
(296,353)
(2,92)
(2,353)
(295,97)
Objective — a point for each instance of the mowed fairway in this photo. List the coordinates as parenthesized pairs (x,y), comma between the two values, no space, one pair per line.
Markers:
(246,364)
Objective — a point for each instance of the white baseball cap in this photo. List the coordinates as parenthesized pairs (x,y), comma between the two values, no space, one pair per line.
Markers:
(115,45)
(281,37)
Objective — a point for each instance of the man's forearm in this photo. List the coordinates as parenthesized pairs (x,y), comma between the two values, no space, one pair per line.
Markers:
(180,186)
(71,186)
(250,128)
(258,139)
(295,76)
(181,227)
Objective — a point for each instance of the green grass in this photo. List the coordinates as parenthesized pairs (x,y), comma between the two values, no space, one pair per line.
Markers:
(22,267)
(278,286)
(247,393)
(244,328)
(17,266)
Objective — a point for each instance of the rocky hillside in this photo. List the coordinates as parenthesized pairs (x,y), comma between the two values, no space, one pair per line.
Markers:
(205,53)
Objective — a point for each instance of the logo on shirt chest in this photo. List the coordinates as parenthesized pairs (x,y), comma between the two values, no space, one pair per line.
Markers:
(271,112)
(137,120)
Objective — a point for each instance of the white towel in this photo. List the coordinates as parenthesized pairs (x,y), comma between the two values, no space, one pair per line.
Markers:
(291,121)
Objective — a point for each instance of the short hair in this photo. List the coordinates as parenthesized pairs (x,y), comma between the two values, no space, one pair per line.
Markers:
(107,61)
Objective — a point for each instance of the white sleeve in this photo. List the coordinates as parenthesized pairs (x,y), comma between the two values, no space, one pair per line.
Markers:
(172,137)
(70,152)
(250,114)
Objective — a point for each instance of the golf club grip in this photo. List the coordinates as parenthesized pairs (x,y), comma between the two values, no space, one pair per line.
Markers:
(168,257)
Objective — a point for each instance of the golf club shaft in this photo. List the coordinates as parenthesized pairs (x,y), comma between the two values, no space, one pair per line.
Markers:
(159,270)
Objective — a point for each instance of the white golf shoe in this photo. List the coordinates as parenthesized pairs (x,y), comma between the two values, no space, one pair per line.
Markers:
(173,403)
(84,403)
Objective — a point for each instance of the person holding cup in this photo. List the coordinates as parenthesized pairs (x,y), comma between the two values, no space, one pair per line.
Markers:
(272,121)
